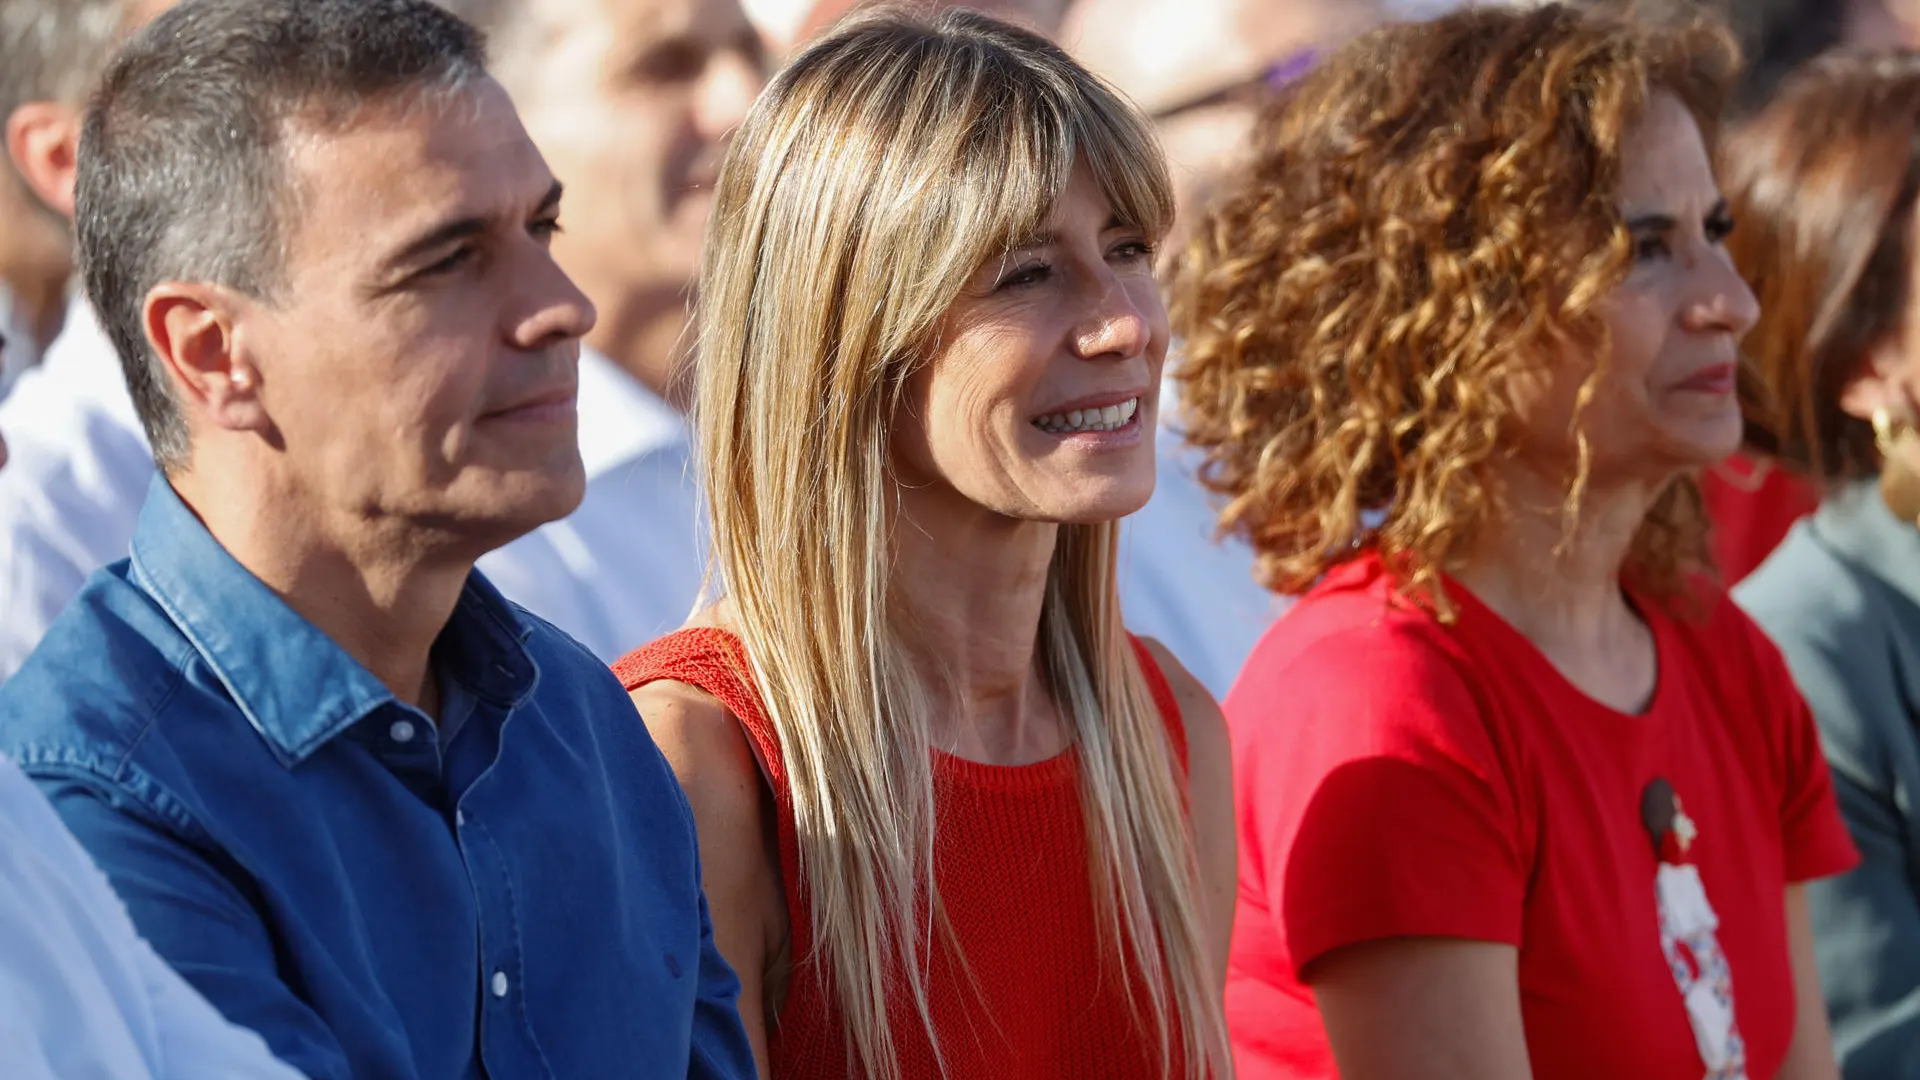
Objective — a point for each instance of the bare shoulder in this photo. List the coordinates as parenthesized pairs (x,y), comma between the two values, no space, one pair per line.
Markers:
(1210,798)
(733,819)
(1199,713)
(706,746)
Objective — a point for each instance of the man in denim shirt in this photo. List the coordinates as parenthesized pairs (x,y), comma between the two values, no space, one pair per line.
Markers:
(371,810)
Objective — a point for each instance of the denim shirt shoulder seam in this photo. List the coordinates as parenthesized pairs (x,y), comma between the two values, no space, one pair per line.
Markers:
(112,767)
(119,778)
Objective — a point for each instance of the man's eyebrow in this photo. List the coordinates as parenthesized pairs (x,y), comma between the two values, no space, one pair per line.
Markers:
(458,229)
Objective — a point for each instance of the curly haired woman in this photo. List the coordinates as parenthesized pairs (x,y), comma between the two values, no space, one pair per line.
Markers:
(1520,793)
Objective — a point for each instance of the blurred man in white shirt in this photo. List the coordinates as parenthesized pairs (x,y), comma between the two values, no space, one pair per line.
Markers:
(631,102)
(81,994)
(50,52)
(79,461)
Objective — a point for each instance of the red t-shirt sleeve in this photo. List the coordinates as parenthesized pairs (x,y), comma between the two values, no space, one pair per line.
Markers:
(1813,836)
(1382,804)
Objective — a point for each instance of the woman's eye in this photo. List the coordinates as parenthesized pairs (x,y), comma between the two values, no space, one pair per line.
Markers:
(1648,248)
(1031,274)
(1719,227)
(1134,251)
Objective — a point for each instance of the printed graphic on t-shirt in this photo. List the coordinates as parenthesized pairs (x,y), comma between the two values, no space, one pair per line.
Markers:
(1693,954)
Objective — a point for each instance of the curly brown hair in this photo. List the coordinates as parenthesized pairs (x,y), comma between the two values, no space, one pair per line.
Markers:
(1427,216)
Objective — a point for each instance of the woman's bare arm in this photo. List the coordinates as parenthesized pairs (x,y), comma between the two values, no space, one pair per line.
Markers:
(739,861)
(1810,1055)
(1423,1009)
(1210,796)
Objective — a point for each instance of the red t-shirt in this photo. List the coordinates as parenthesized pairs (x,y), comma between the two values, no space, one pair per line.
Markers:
(1752,503)
(1398,777)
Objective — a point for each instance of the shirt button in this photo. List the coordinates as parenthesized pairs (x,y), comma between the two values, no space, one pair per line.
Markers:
(499,984)
(402,731)
(459,817)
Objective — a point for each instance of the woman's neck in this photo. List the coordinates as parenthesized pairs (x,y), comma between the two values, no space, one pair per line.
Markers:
(970,587)
(1562,589)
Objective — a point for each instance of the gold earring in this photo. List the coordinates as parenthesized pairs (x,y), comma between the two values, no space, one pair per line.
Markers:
(1899,483)
(1886,433)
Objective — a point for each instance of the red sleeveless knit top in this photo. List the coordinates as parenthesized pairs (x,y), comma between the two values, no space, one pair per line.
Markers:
(1045,1000)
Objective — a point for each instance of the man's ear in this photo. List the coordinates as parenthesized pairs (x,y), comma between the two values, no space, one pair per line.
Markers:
(195,329)
(43,139)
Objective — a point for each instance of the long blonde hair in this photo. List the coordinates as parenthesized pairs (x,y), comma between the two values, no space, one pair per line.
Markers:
(887,164)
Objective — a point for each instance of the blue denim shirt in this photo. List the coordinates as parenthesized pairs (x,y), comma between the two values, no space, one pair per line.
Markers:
(522,902)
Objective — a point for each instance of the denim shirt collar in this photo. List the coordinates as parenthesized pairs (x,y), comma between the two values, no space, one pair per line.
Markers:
(295,685)
(1854,522)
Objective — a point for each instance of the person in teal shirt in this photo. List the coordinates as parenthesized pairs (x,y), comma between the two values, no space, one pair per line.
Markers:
(1823,185)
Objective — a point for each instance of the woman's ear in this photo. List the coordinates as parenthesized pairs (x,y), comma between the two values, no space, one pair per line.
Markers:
(1880,381)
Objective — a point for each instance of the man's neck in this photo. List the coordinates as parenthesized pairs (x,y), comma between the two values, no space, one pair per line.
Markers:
(36,260)
(375,588)
(39,304)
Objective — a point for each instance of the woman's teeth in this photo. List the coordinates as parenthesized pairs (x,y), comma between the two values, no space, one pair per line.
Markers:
(1111,418)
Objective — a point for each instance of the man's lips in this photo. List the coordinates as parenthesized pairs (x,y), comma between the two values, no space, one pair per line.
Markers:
(557,404)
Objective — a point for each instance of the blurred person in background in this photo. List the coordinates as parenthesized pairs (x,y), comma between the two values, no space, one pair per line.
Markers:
(631,102)
(1824,183)
(955,820)
(81,994)
(1201,69)
(1519,794)
(371,809)
(1043,17)
(1883,23)
(80,463)
(1753,498)
(634,98)
(49,54)
(1779,36)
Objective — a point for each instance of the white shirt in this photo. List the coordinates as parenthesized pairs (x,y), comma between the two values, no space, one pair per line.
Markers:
(1197,596)
(19,353)
(81,994)
(76,475)
(627,566)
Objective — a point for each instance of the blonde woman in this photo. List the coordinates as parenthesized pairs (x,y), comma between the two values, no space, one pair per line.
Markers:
(954,821)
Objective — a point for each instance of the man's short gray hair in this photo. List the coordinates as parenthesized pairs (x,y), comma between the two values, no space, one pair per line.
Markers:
(182,169)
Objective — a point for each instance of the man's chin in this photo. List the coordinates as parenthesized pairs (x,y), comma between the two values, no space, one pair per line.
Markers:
(504,506)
